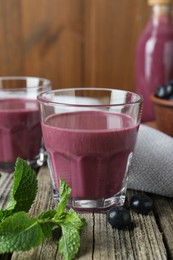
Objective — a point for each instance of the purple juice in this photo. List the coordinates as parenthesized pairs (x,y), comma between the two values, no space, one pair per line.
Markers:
(90,151)
(154,59)
(20,130)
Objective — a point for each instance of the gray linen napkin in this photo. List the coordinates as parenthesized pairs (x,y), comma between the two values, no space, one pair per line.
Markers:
(151,169)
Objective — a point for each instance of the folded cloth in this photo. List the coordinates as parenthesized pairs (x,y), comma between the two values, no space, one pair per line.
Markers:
(151,169)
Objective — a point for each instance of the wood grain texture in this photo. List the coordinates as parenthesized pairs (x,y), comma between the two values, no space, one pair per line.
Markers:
(164,213)
(75,43)
(98,240)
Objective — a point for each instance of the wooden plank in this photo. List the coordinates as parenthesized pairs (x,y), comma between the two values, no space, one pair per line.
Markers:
(72,42)
(5,188)
(11,40)
(143,242)
(111,32)
(53,40)
(99,240)
(164,215)
(147,240)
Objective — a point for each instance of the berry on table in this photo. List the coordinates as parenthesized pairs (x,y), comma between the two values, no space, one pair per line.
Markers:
(119,217)
(141,203)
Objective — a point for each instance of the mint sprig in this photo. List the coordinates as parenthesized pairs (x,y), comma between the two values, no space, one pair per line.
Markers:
(21,232)
(24,190)
(70,241)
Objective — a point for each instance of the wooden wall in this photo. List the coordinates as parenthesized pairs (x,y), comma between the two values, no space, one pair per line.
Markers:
(72,42)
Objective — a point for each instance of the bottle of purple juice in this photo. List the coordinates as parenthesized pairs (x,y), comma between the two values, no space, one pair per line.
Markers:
(154,54)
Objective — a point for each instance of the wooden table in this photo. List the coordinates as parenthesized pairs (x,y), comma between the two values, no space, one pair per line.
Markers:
(151,237)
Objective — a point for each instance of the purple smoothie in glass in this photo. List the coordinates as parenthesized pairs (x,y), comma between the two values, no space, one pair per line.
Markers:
(90,151)
(20,130)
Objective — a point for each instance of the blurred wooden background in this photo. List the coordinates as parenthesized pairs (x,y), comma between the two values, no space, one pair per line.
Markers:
(72,42)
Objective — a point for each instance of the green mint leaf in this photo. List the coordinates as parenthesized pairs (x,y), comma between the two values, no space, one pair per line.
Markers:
(74,219)
(46,228)
(71,224)
(48,214)
(4,213)
(70,242)
(1,215)
(20,232)
(46,223)
(64,193)
(24,187)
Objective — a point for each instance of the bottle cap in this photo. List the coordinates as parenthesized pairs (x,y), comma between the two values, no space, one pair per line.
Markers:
(161,2)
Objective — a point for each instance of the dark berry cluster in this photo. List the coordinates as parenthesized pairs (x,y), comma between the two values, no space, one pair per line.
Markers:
(119,217)
(165,91)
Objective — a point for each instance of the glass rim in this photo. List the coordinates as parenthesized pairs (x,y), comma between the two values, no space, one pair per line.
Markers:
(46,81)
(41,97)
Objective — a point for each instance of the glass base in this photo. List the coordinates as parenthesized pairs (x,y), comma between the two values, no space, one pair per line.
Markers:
(35,163)
(100,205)
(7,167)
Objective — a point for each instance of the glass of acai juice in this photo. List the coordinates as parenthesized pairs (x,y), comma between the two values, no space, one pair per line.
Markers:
(20,128)
(90,136)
